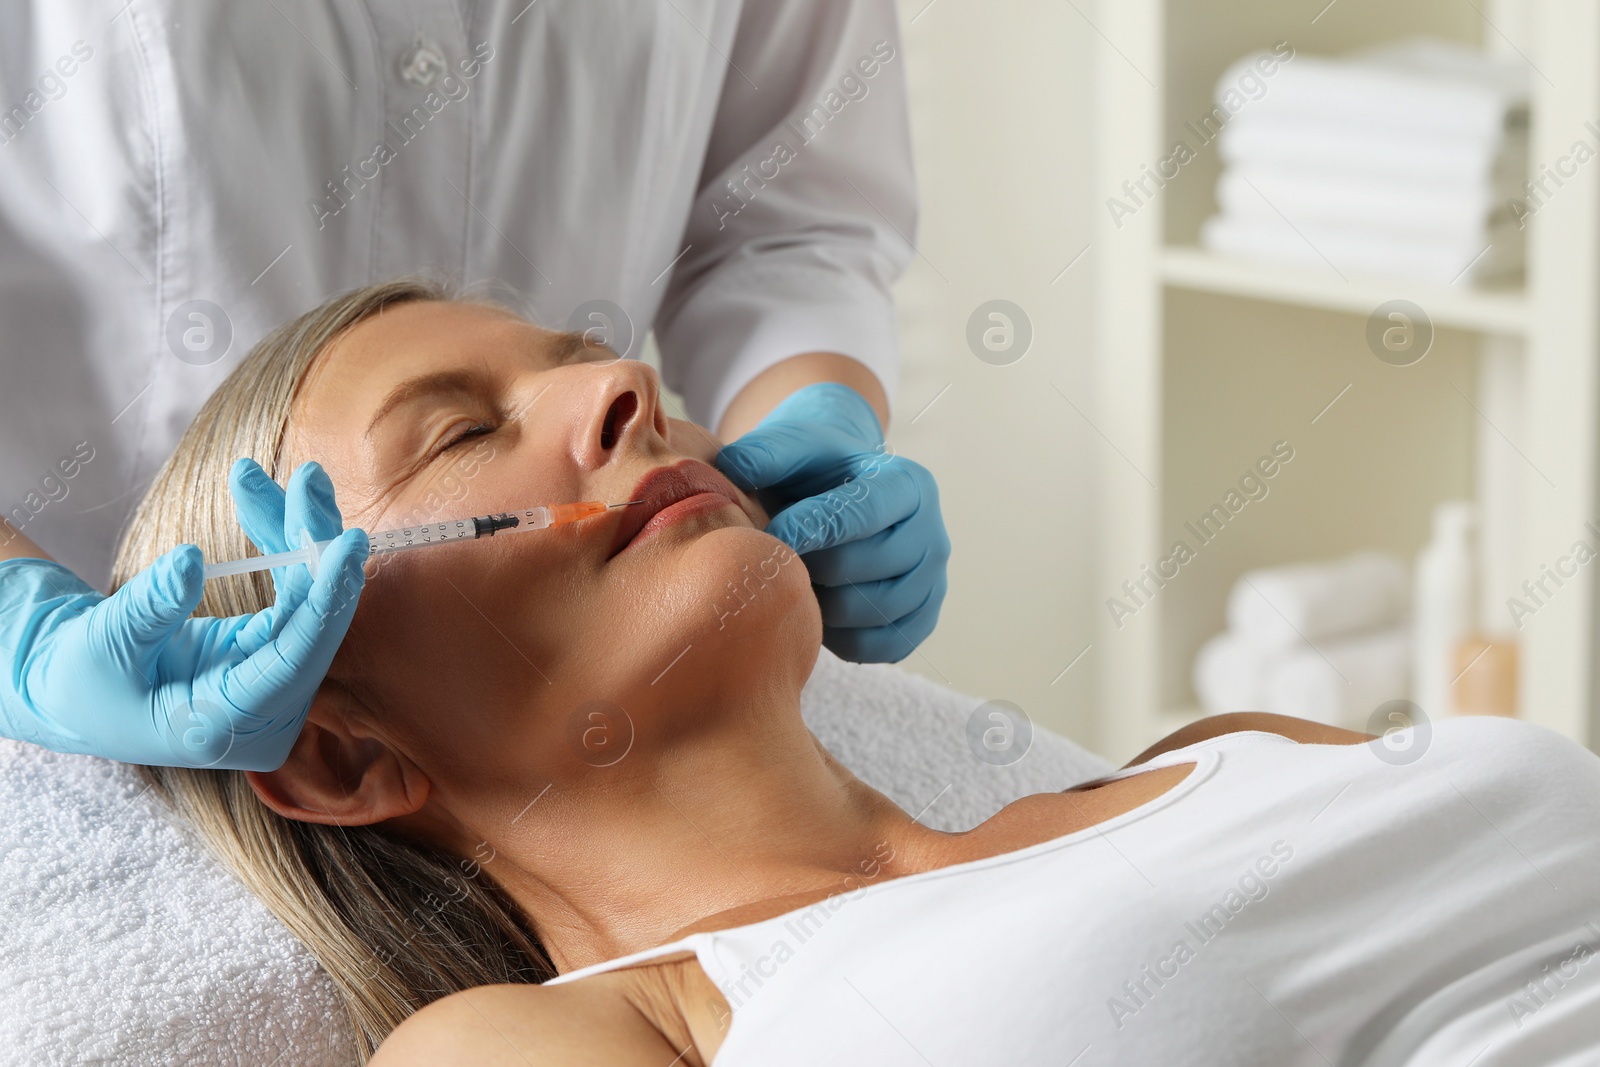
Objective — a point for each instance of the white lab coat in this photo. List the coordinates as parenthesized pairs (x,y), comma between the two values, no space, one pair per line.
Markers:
(262,156)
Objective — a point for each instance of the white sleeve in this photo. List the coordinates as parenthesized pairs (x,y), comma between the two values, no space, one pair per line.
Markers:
(806,209)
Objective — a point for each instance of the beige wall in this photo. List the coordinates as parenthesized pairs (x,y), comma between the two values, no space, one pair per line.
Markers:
(1002,120)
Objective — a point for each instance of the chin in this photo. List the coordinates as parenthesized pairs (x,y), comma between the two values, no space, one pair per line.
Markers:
(750,575)
(739,599)
(763,605)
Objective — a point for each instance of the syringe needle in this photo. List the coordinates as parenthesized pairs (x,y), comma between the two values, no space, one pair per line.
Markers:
(609,506)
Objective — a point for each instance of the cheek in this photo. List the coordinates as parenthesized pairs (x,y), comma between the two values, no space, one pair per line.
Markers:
(456,620)
(475,665)
(692,440)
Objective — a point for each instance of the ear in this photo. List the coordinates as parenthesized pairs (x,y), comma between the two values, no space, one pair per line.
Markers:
(338,773)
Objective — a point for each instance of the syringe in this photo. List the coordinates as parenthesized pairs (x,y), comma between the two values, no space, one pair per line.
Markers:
(428,534)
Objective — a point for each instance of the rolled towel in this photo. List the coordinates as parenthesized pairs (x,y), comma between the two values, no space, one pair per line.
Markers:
(1341,681)
(1231,672)
(1279,607)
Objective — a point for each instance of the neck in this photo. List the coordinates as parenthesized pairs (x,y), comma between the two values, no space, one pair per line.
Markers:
(698,835)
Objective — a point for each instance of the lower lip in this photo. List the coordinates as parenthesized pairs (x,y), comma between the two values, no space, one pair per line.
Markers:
(689,506)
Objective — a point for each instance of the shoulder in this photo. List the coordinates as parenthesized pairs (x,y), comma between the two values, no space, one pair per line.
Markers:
(517,1025)
(1302,730)
(1518,747)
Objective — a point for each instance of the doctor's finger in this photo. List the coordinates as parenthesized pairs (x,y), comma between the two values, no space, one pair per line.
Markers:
(297,659)
(871,604)
(878,557)
(889,643)
(309,505)
(259,503)
(856,509)
(786,454)
(134,624)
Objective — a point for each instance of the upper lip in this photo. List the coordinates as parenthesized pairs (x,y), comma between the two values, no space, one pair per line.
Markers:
(665,486)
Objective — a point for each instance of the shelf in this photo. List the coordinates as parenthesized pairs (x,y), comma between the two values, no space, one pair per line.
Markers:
(1533,349)
(1502,312)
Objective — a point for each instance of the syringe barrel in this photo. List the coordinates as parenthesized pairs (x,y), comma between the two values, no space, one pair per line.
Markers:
(423,536)
(431,533)
(538,518)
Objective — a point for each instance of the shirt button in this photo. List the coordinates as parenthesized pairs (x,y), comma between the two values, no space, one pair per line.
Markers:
(421,63)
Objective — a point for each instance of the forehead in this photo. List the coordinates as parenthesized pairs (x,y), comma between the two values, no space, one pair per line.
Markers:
(361,370)
(407,339)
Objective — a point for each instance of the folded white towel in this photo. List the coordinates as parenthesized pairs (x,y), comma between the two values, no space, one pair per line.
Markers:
(1397,163)
(1432,57)
(1287,606)
(1342,681)
(1338,149)
(123,942)
(1231,671)
(1431,87)
(1355,252)
(1455,212)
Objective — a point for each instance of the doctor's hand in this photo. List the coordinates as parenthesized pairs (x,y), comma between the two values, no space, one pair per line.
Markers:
(866,521)
(131,677)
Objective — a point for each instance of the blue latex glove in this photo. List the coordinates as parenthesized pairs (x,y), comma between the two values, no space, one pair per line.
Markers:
(133,678)
(866,521)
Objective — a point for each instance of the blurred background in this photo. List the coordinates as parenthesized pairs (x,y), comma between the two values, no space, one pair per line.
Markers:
(1253,347)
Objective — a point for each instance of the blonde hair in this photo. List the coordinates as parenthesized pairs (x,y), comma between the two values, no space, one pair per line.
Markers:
(395,923)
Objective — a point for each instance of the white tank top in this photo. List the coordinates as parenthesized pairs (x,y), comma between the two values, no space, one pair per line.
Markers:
(1283,904)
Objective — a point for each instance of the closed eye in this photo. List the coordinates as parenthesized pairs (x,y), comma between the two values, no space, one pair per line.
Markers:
(472,431)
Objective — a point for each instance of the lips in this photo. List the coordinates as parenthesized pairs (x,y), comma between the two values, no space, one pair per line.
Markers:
(664,487)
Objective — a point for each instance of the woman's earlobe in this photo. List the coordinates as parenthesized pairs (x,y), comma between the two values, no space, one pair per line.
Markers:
(339,777)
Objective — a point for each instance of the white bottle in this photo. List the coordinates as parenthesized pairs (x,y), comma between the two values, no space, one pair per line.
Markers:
(1445,605)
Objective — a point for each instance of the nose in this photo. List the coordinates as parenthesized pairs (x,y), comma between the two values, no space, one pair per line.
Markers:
(626,407)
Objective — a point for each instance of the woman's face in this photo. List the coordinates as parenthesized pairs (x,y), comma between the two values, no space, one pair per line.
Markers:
(538,656)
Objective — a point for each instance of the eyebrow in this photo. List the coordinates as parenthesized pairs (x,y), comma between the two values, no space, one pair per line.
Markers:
(458,381)
(567,346)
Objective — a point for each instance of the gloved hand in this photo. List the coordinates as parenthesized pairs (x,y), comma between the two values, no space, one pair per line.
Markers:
(865,521)
(133,678)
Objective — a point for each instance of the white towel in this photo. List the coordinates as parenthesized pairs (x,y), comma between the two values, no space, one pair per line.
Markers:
(1337,149)
(1430,87)
(1342,250)
(1399,210)
(908,738)
(123,942)
(1231,671)
(1342,681)
(1398,163)
(1284,607)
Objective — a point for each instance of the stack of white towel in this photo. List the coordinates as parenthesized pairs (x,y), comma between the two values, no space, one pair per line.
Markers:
(1324,641)
(1398,163)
